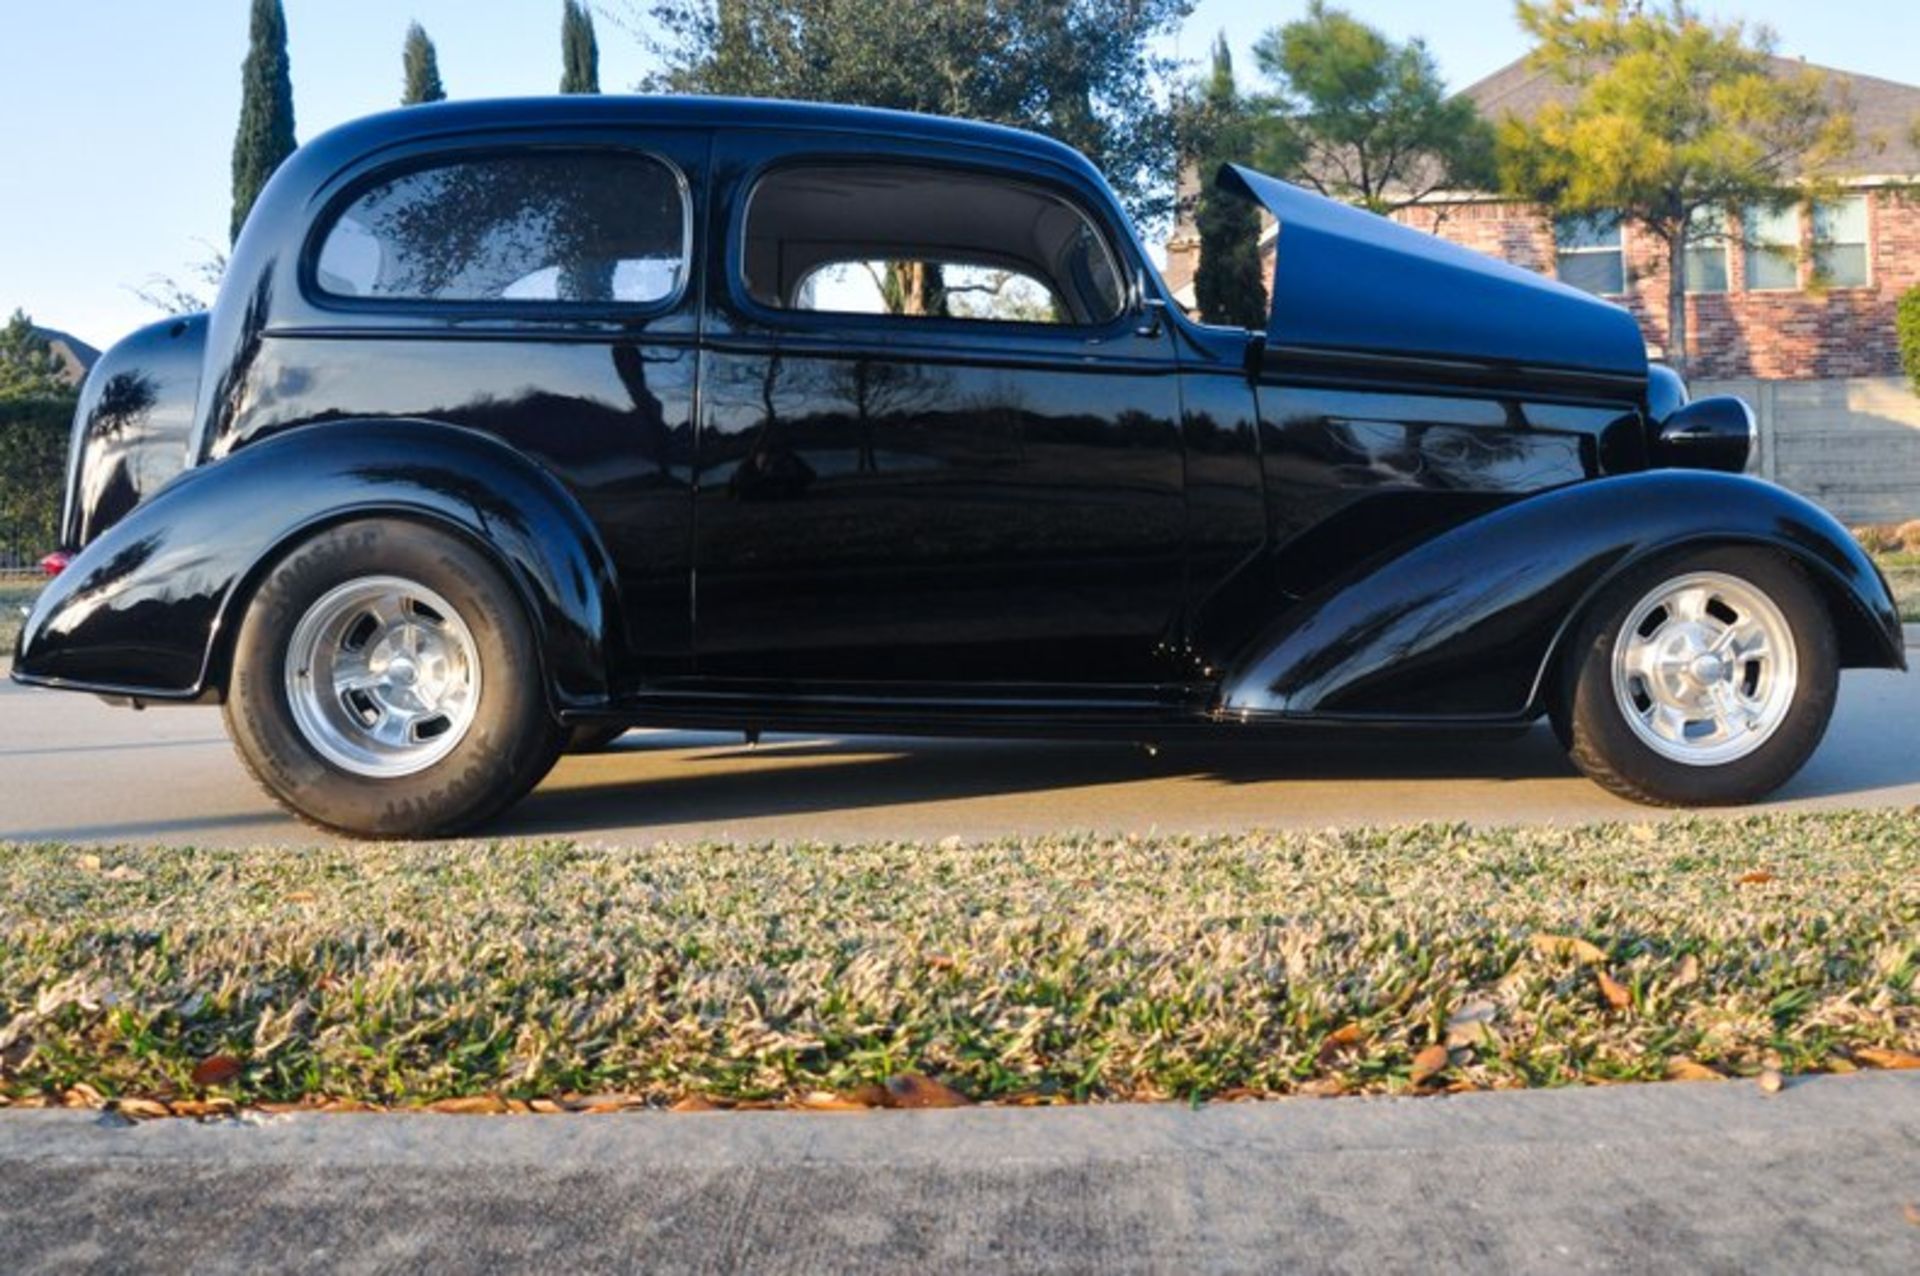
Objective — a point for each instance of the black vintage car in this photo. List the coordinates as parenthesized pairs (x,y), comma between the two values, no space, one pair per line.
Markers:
(519,423)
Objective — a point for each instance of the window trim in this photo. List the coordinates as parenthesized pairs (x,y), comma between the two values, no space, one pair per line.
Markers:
(321,227)
(1619,249)
(824,321)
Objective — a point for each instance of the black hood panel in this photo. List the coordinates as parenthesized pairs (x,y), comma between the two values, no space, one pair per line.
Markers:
(1350,282)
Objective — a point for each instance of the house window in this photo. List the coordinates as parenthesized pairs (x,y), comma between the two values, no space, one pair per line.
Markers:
(1590,253)
(1773,248)
(1840,242)
(1707,251)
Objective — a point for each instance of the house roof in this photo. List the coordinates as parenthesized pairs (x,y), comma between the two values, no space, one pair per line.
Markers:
(76,356)
(1884,111)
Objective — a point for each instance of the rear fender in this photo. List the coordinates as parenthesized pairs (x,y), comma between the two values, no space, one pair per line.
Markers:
(1468,625)
(149,608)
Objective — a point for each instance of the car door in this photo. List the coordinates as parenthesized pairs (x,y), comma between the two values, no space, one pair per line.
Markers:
(974,482)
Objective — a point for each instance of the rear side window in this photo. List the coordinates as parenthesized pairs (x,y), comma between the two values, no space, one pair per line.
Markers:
(910,242)
(582,227)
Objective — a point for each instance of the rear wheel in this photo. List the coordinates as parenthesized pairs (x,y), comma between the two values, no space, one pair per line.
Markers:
(385,684)
(1704,679)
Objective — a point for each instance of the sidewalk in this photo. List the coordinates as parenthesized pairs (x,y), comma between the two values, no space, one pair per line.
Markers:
(1683,1177)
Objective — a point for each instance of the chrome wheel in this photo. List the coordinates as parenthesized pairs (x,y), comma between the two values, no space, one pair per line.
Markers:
(382,677)
(1704,669)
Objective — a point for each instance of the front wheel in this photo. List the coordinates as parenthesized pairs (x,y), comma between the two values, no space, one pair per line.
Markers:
(385,684)
(1705,679)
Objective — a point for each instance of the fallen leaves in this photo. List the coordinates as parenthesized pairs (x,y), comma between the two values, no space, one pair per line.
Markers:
(216,1070)
(1875,1057)
(470,1105)
(1563,946)
(1471,1024)
(1770,1081)
(911,1090)
(1684,1069)
(1617,994)
(1754,877)
(1428,1064)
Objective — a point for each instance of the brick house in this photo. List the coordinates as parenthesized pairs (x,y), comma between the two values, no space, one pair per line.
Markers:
(1771,300)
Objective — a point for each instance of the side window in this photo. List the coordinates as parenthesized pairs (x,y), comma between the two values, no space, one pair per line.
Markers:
(591,227)
(925,243)
(948,289)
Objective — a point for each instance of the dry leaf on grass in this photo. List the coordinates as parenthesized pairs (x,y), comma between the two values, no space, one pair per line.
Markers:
(1875,1057)
(1348,1036)
(1472,1025)
(1428,1064)
(1682,1068)
(216,1070)
(911,1090)
(828,1101)
(140,1109)
(692,1103)
(1568,946)
(471,1105)
(1687,973)
(1757,877)
(1613,990)
(1323,1087)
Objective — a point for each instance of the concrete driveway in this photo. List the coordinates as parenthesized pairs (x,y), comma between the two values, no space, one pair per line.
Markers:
(72,768)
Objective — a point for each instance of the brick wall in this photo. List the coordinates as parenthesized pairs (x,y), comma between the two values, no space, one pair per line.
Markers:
(1799,335)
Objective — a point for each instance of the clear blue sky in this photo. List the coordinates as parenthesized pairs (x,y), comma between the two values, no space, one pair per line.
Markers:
(120,113)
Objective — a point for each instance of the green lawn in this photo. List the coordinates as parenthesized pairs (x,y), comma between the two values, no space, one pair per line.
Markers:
(16,592)
(1903,573)
(1049,969)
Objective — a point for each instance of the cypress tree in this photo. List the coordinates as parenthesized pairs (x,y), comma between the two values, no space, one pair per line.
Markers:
(422,65)
(265,136)
(580,50)
(1227,285)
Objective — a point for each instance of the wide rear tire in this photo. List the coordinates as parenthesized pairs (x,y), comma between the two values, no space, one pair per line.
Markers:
(1706,678)
(385,684)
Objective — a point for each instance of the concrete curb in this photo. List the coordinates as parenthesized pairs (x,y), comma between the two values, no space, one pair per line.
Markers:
(1642,1178)
(982,1136)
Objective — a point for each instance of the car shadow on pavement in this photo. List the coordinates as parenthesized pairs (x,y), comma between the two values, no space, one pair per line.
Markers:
(806,775)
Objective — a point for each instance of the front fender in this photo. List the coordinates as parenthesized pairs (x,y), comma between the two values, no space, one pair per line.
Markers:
(1467,625)
(142,610)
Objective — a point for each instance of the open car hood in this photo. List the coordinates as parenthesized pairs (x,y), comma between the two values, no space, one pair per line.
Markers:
(1350,282)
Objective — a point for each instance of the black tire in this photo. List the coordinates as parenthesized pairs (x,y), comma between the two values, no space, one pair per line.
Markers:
(1613,755)
(594,738)
(510,743)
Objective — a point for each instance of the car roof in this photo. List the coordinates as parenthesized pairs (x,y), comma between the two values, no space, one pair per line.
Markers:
(588,109)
